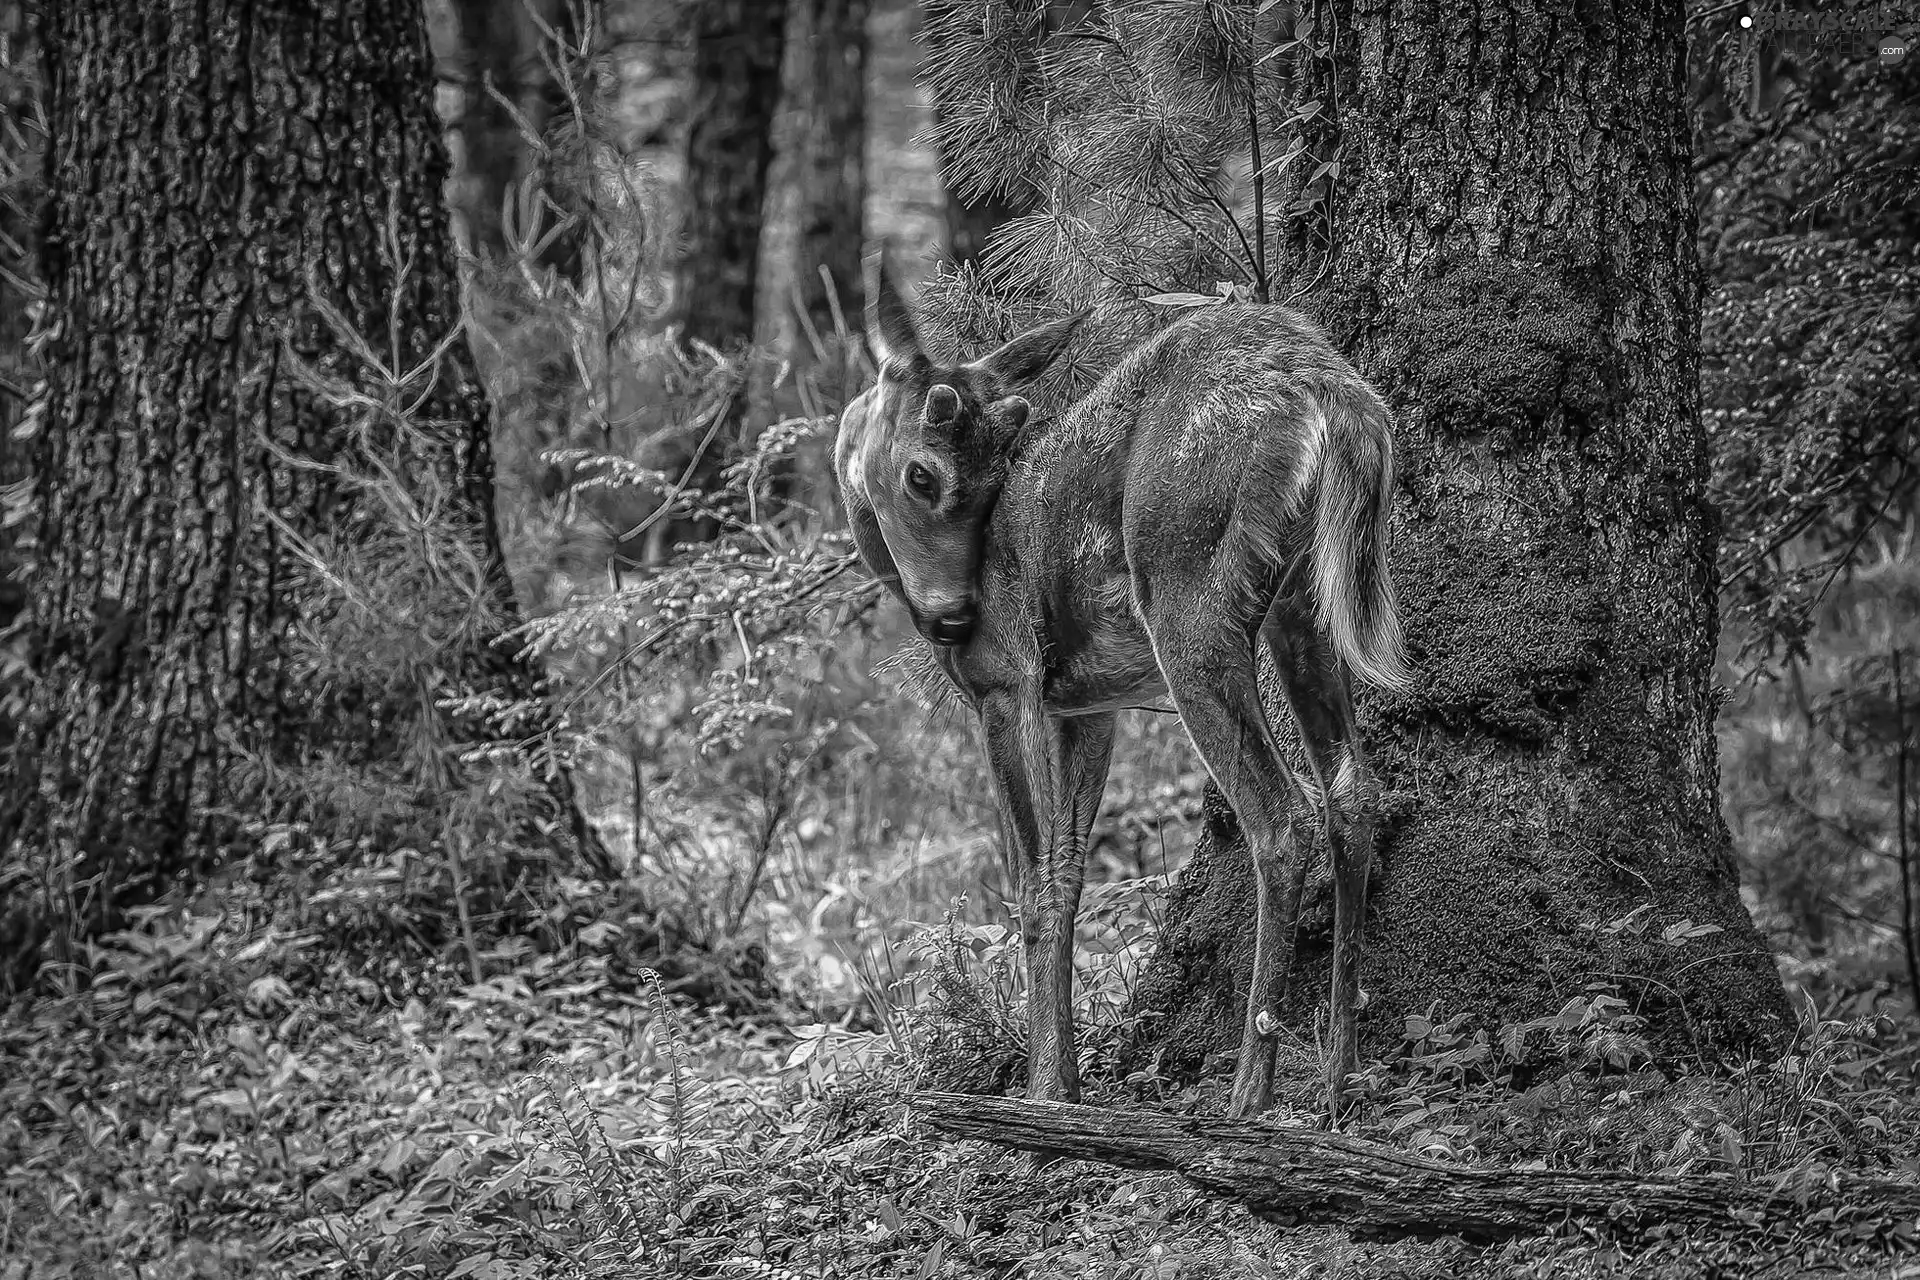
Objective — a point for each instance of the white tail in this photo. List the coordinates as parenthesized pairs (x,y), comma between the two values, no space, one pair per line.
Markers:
(1353,592)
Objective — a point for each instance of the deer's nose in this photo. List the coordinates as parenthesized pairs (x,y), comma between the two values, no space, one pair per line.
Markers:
(953,628)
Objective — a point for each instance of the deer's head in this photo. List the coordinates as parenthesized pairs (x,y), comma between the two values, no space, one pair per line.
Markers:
(922,457)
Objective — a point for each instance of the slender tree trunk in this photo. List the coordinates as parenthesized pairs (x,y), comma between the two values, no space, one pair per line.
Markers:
(222,162)
(736,93)
(812,259)
(736,71)
(833,174)
(22,152)
(522,201)
(499,62)
(1521,281)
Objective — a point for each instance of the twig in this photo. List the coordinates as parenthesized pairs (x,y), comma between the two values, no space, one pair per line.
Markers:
(721,411)
(1259,177)
(1909,925)
(459,870)
(1846,557)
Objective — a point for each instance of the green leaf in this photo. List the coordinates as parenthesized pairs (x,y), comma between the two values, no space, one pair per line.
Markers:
(1279,162)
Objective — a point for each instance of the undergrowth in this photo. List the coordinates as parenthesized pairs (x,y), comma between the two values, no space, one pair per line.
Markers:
(233,1096)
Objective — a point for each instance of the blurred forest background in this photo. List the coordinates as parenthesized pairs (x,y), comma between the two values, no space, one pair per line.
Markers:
(662,212)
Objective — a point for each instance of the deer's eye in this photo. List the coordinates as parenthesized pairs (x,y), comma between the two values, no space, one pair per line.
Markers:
(922,482)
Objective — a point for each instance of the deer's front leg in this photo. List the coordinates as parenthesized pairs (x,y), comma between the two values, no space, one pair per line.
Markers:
(1048,776)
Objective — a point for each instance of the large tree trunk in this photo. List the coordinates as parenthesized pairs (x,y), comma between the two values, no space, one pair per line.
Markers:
(1520,279)
(221,163)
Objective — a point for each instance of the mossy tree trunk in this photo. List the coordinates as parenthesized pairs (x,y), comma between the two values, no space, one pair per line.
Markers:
(221,163)
(1515,267)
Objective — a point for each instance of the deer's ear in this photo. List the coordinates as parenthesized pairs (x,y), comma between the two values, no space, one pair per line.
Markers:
(1027,356)
(890,320)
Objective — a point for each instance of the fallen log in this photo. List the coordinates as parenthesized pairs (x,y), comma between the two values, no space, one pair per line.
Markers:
(1297,1175)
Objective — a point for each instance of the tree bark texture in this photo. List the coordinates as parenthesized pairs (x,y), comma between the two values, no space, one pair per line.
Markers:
(1515,268)
(220,163)
(1305,1176)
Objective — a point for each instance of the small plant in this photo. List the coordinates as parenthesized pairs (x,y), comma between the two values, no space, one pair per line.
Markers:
(1576,1087)
(968,1029)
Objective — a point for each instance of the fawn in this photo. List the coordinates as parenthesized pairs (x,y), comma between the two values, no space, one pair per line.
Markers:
(1226,485)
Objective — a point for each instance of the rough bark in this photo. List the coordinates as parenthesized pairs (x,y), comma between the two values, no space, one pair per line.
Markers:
(1306,1176)
(1520,279)
(222,162)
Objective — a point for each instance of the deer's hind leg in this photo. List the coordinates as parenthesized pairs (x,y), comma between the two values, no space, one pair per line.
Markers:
(1207,659)
(1317,693)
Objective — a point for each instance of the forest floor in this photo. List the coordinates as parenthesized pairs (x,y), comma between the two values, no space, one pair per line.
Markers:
(228,1096)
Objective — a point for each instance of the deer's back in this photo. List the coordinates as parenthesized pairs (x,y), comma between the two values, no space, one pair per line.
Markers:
(1152,464)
